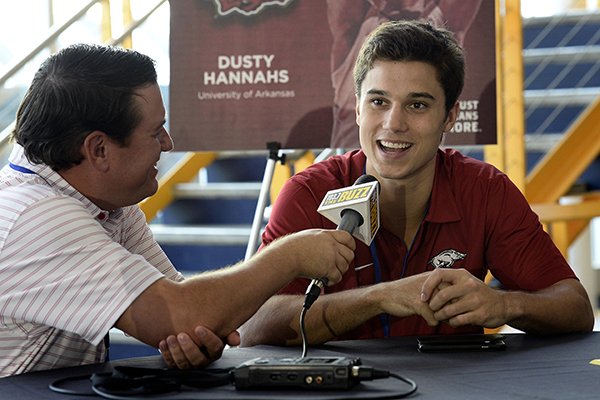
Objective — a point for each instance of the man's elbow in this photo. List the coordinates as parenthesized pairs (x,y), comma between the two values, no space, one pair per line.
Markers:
(587,318)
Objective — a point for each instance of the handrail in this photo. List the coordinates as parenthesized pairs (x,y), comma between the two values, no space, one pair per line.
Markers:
(54,33)
(564,222)
(552,212)
(60,29)
(44,43)
(577,149)
(136,23)
(6,133)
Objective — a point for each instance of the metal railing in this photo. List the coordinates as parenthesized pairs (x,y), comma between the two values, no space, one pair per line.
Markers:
(47,41)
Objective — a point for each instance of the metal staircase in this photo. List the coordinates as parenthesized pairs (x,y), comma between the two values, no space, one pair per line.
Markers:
(561,57)
(208,224)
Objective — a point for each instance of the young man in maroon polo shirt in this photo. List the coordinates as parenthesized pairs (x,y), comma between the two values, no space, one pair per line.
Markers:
(446,219)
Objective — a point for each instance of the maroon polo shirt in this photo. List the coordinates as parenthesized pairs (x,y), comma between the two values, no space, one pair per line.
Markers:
(477,220)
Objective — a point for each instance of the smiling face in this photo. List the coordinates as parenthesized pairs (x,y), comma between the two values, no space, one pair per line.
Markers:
(401,117)
(133,168)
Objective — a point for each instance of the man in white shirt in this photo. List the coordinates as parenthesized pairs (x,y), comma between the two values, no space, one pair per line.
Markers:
(76,254)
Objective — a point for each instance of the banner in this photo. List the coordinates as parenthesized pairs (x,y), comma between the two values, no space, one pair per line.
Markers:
(248,72)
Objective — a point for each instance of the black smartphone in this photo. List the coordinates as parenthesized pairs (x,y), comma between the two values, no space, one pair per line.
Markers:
(467,342)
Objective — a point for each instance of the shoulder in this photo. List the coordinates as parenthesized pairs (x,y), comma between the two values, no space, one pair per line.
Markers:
(466,186)
(28,188)
(459,166)
(466,175)
(33,201)
(17,198)
(134,214)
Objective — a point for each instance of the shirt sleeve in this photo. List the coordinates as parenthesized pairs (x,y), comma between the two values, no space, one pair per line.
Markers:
(520,254)
(139,239)
(60,268)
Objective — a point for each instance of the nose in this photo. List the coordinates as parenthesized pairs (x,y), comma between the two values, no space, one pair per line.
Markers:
(166,141)
(394,119)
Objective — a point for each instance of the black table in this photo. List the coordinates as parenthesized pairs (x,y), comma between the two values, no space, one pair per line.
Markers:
(531,367)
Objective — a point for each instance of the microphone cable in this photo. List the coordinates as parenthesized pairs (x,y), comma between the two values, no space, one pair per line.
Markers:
(312,293)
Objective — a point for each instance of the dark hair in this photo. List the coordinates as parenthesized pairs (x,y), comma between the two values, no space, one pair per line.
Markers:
(415,41)
(76,91)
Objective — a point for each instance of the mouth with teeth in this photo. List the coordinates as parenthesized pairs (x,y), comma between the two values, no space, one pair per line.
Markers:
(388,146)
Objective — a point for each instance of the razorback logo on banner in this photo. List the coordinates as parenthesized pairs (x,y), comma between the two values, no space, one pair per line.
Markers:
(247,7)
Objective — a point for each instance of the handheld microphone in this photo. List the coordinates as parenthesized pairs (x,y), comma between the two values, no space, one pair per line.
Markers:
(350,208)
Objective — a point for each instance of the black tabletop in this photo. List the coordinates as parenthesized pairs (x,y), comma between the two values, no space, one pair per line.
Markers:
(556,367)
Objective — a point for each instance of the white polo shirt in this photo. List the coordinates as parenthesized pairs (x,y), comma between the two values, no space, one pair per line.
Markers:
(68,269)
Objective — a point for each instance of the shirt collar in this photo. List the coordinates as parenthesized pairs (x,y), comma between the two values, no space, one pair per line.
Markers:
(56,182)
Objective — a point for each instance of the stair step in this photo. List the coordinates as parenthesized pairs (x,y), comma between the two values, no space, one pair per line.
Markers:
(573,17)
(231,235)
(556,97)
(570,29)
(542,142)
(566,54)
(217,190)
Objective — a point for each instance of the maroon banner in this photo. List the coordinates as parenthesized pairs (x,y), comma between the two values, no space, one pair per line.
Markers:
(248,72)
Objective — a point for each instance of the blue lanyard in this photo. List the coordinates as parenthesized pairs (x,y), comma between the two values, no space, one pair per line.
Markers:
(20,169)
(384,318)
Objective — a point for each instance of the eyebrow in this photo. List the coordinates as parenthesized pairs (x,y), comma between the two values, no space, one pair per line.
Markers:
(376,92)
(417,95)
(412,95)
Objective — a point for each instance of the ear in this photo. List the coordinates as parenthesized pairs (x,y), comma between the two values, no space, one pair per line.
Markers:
(451,117)
(95,149)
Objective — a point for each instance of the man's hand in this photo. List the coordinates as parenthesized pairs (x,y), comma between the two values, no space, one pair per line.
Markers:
(182,352)
(459,298)
(320,253)
(401,298)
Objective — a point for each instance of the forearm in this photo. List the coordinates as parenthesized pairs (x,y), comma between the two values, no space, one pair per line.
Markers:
(233,295)
(278,320)
(561,308)
(221,300)
(338,313)
(274,323)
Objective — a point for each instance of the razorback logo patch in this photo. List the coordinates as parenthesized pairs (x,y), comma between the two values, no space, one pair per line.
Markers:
(446,258)
(247,7)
